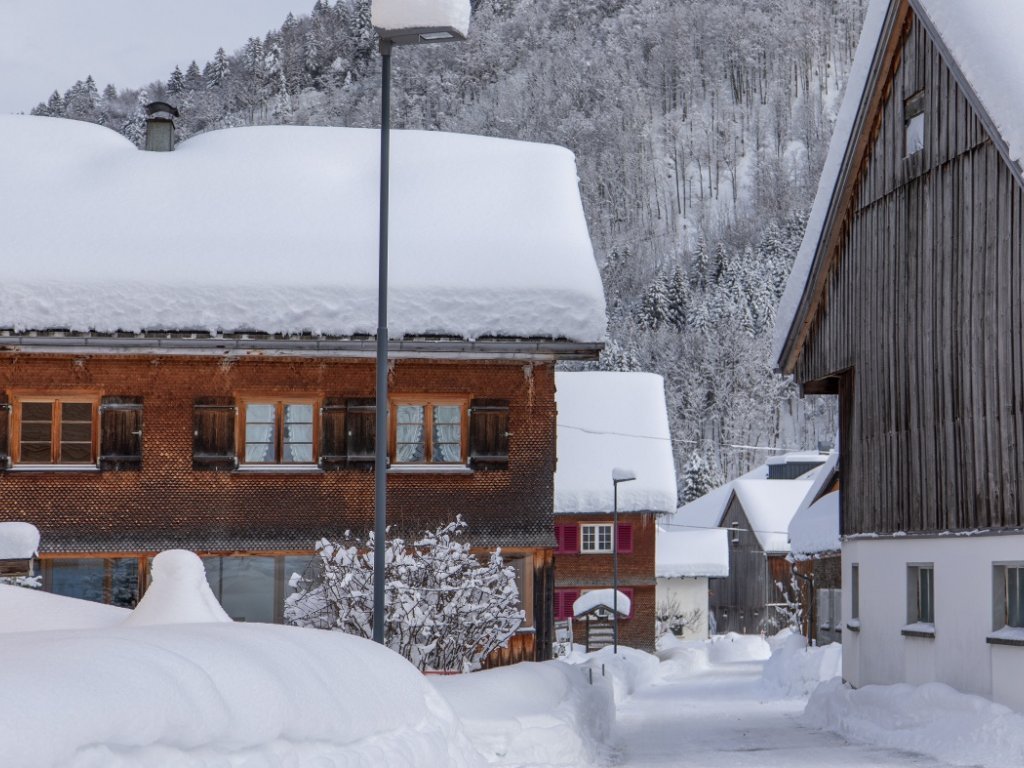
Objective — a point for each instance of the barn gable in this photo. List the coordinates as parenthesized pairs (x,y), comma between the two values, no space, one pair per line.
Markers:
(912,307)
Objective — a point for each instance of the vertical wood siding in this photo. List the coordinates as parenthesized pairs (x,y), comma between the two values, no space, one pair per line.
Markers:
(924,302)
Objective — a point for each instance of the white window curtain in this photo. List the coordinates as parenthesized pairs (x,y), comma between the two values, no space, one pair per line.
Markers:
(259,432)
(409,443)
(298,433)
(447,434)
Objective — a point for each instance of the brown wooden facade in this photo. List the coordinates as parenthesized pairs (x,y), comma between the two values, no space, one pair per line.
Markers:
(185,487)
(914,310)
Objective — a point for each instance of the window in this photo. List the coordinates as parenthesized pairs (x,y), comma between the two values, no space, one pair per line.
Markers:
(596,537)
(429,432)
(278,431)
(1008,594)
(855,592)
(913,116)
(114,581)
(55,430)
(921,594)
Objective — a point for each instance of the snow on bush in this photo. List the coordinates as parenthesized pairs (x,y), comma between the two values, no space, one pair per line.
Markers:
(795,669)
(932,719)
(533,714)
(218,694)
(178,594)
(445,609)
(723,649)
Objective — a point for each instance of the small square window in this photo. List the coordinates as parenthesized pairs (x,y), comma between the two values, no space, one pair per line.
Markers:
(56,430)
(1008,596)
(921,594)
(596,537)
(429,432)
(913,117)
(278,432)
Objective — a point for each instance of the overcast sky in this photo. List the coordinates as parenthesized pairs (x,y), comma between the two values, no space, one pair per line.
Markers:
(47,45)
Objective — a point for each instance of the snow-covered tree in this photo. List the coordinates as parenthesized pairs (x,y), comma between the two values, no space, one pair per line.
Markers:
(698,478)
(445,609)
(134,126)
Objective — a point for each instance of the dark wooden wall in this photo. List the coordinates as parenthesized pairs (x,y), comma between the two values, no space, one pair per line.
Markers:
(924,301)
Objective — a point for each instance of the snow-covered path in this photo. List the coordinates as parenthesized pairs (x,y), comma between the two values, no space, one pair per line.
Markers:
(721,718)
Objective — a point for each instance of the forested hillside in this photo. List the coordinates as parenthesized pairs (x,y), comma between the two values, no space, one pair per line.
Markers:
(700,127)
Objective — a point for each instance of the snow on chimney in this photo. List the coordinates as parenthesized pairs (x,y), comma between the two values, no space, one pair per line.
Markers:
(160,127)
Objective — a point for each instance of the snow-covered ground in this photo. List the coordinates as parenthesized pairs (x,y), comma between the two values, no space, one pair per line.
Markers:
(178,683)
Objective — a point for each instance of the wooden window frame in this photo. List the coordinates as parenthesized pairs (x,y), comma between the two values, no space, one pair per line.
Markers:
(278,402)
(611,538)
(19,399)
(428,402)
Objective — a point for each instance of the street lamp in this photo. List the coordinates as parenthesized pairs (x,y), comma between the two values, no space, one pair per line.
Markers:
(618,476)
(397,22)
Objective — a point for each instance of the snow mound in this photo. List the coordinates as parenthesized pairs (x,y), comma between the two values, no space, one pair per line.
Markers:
(932,719)
(533,714)
(203,695)
(629,670)
(29,610)
(18,541)
(731,647)
(795,670)
(682,658)
(179,593)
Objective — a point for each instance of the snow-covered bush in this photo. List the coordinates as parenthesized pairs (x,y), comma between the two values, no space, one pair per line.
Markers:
(670,617)
(795,669)
(445,609)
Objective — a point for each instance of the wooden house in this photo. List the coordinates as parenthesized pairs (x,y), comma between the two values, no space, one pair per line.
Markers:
(608,421)
(185,358)
(906,302)
(814,543)
(755,510)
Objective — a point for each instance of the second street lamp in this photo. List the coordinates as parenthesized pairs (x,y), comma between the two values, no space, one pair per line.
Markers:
(618,476)
(397,22)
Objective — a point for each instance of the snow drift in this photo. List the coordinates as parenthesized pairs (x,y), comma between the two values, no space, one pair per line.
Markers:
(795,669)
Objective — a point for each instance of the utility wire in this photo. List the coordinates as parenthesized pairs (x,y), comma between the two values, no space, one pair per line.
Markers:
(668,439)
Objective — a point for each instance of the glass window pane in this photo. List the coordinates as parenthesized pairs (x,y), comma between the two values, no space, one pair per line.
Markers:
(37,411)
(36,453)
(298,433)
(244,586)
(81,578)
(76,412)
(447,446)
(1015,597)
(298,413)
(36,431)
(411,414)
(124,581)
(76,431)
(260,413)
(75,453)
(447,414)
(298,453)
(410,440)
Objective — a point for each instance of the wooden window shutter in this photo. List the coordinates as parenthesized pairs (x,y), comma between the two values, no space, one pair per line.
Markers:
(624,538)
(121,433)
(5,431)
(333,440)
(488,434)
(571,539)
(361,431)
(213,436)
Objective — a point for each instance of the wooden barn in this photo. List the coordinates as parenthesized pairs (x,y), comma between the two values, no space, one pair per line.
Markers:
(907,301)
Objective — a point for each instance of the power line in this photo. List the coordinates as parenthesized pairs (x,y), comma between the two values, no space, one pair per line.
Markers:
(720,528)
(689,442)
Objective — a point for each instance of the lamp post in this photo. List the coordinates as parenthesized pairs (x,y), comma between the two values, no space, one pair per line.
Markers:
(394,26)
(618,476)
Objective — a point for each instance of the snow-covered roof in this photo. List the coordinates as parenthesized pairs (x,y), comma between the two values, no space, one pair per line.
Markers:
(814,529)
(983,38)
(683,553)
(394,15)
(769,506)
(18,541)
(275,229)
(601,598)
(609,420)
(707,511)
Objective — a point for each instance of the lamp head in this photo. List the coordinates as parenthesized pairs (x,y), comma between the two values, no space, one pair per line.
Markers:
(620,475)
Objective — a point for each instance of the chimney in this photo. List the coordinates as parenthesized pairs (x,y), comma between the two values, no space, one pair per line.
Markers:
(160,127)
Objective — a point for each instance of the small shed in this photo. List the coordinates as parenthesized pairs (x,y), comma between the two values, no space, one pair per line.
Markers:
(19,548)
(597,609)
